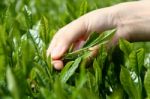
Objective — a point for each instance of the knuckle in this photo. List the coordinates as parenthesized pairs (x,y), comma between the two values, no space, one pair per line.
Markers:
(124,32)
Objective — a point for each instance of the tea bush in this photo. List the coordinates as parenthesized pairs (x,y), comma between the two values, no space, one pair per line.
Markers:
(27,27)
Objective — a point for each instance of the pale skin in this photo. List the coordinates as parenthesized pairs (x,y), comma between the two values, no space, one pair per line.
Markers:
(131,19)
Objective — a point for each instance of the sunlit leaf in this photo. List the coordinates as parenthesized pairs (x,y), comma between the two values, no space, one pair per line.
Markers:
(128,84)
(71,70)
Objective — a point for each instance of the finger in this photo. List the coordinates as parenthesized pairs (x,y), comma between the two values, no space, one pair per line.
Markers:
(79,44)
(64,38)
(58,64)
(98,20)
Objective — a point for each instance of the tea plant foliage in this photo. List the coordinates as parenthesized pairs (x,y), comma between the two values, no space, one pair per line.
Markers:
(26,29)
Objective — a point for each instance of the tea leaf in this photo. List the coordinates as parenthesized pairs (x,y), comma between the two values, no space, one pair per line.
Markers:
(133,62)
(136,60)
(12,84)
(71,70)
(28,17)
(44,30)
(125,46)
(66,68)
(90,39)
(140,58)
(83,8)
(104,37)
(98,72)
(91,42)
(147,84)
(117,94)
(128,84)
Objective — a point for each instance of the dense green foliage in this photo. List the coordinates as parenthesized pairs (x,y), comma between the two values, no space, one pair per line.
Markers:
(26,29)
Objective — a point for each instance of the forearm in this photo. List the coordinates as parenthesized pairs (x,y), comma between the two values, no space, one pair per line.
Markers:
(134,20)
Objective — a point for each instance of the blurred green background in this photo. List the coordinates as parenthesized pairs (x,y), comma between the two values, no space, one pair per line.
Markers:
(55,10)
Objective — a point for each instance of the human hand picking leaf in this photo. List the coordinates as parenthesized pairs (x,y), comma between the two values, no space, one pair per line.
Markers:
(131,21)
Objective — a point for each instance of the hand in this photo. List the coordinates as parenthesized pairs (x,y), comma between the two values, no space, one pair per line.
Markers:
(131,19)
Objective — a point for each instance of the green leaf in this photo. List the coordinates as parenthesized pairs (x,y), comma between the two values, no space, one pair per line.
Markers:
(104,37)
(117,94)
(65,69)
(12,84)
(128,84)
(98,72)
(46,93)
(44,30)
(125,46)
(147,83)
(28,54)
(133,64)
(140,59)
(83,8)
(91,82)
(41,75)
(102,55)
(136,60)
(81,81)
(147,60)
(28,17)
(91,42)
(71,9)
(64,78)
(91,38)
